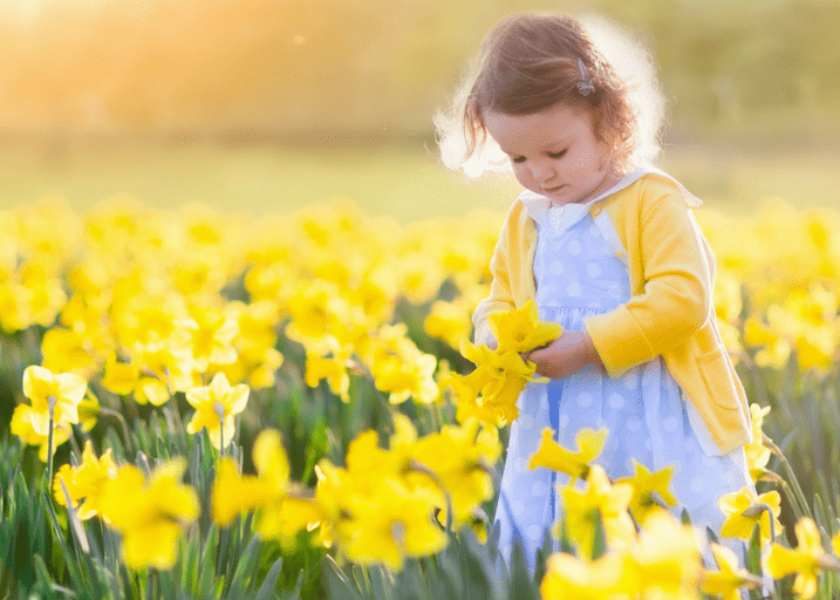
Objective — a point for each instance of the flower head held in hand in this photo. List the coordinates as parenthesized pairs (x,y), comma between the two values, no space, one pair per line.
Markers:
(489,393)
(520,330)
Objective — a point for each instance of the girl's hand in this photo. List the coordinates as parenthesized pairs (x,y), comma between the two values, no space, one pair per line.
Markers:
(565,356)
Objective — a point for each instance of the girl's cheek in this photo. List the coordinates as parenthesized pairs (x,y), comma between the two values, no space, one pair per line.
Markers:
(520,174)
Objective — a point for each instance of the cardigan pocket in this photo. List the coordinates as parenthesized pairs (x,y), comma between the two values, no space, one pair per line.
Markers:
(717,375)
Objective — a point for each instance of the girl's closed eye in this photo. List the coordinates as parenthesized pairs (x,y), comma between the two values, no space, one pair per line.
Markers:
(552,155)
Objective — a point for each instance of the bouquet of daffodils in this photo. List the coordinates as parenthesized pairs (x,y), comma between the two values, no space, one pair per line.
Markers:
(489,393)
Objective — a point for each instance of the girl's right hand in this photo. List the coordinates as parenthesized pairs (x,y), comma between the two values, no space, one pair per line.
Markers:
(565,356)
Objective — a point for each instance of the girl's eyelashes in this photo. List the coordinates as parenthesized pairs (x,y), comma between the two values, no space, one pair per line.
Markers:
(552,155)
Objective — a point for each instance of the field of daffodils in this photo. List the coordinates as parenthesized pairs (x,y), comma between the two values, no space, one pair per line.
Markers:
(205,405)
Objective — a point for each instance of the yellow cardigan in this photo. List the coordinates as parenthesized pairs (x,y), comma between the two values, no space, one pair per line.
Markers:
(670,313)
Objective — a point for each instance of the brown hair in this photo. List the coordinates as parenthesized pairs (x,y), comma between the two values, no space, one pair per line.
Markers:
(531,62)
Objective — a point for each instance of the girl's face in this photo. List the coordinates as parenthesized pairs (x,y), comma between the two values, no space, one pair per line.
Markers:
(555,153)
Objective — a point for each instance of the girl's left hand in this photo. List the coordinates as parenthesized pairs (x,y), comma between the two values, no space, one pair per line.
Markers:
(565,356)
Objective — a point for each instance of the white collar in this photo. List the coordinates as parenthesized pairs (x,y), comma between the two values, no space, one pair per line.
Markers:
(538,206)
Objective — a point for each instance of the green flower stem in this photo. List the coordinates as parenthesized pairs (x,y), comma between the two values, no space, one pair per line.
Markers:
(50,441)
(77,452)
(118,416)
(220,411)
(222,438)
(798,494)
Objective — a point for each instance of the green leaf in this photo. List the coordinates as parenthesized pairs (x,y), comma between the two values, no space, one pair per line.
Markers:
(339,585)
(245,569)
(267,588)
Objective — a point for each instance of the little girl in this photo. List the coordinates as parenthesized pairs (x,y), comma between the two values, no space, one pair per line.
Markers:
(609,249)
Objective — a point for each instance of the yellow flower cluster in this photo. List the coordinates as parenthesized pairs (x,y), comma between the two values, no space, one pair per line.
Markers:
(785,261)
(150,512)
(661,562)
(284,506)
(806,560)
(381,508)
(661,559)
(491,390)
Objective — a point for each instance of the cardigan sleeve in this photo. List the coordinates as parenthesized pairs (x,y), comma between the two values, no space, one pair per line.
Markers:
(676,274)
(501,294)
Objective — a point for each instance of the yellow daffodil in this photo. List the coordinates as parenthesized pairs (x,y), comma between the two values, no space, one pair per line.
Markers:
(211,334)
(392,524)
(490,392)
(317,309)
(257,359)
(568,577)
(234,493)
(84,483)
(55,396)
(419,278)
(378,513)
(403,371)
(281,516)
(333,369)
(33,296)
(22,427)
(290,510)
(120,378)
(665,561)
(729,578)
(68,350)
(216,405)
(757,454)
(598,497)
(650,490)
(149,513)
(776,349)
(520,330)
(744,508)
(575,464)
(805,560)
(448,321)
(460,457)
(88,411)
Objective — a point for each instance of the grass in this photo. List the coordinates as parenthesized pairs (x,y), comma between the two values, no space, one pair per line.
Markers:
(405,181)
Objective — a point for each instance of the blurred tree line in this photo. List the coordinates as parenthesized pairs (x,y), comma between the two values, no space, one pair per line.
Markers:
(318,70)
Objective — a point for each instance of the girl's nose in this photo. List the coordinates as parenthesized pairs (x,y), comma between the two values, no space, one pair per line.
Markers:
(541,171)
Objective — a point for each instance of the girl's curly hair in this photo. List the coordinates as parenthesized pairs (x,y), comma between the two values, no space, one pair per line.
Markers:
(531,62)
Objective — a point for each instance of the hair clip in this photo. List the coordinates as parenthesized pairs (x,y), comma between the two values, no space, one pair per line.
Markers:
(585,86)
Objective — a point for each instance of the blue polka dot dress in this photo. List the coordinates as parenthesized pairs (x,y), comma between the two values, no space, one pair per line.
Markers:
(580,270)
